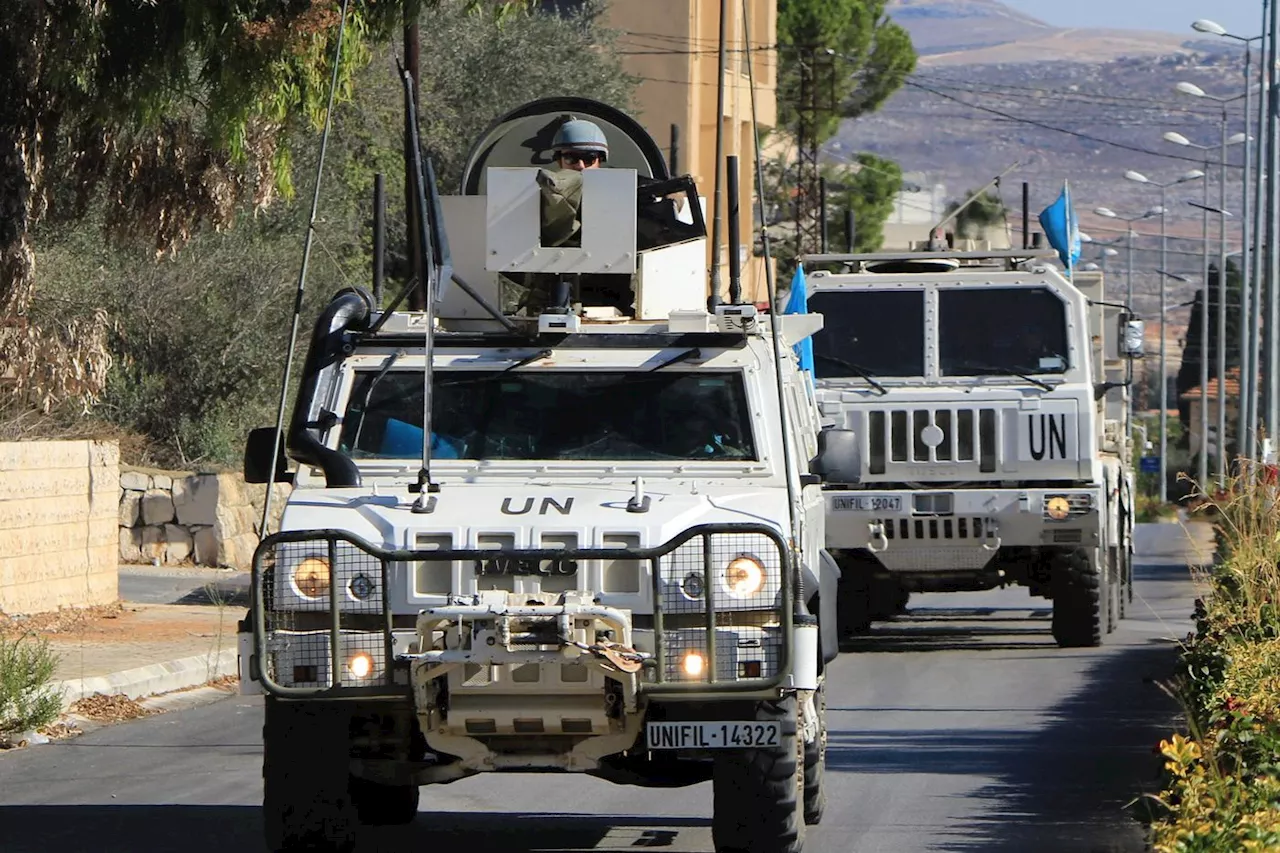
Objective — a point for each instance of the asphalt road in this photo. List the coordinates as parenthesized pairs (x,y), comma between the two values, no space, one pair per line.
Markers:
(958,728)
(174,585)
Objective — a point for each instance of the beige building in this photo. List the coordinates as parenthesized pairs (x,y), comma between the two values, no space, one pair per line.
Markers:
(672,47)
(1192,397)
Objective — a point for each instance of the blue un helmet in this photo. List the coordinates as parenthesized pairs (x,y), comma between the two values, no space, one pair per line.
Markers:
(580,135)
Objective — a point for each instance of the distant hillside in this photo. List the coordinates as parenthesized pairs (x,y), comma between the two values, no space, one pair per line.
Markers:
(961,125)
(966,32)
(943,26)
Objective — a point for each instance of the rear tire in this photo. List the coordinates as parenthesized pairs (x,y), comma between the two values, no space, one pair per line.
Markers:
(815,764)
(1111,588)
(305,756)
(759,793)
(1079,602)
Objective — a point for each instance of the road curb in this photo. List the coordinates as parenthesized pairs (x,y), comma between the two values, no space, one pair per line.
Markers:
(161,677)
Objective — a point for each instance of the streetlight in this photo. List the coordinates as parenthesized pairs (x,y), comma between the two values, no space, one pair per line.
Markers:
(1128,221)
(1251,228)
(1179,139)
(1138,177)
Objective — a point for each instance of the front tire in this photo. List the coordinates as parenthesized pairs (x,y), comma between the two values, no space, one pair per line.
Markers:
(305,756)
(384,805)
(815,763)
(759,793)
(1079,601)
(853,600)
(888,598)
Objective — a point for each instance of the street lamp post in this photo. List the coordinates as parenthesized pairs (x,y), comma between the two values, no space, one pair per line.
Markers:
(1128,271)
(1138,177)
(1178,139)
(1250,278)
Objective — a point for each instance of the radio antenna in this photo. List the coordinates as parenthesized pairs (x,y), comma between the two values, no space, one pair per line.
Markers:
(300,290)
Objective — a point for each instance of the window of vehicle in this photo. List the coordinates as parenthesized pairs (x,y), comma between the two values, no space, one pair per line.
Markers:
(560,414)
(873,332)
(986,331)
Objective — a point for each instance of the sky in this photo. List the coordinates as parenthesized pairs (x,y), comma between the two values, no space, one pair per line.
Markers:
(1242,17)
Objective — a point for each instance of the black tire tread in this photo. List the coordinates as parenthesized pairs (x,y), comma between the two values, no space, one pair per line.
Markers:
(305,802)
(384,805)
(758,793)
(815,765)
(1078,608)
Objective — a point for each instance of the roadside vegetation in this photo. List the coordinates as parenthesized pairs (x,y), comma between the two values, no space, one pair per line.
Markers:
(171,340)
(147,282)
(28,697)
(1222,791)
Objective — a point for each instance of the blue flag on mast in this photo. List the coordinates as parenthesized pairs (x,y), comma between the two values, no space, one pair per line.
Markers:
(1062,228)
(798,303)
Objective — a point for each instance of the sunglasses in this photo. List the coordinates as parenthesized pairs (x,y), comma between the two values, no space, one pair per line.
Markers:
(586,158)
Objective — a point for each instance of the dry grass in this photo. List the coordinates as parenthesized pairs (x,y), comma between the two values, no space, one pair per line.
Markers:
(110,709)
(1247,516)
(66,620)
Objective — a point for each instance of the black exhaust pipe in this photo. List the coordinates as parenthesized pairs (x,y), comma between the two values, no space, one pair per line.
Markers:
(735,231)
(349,311)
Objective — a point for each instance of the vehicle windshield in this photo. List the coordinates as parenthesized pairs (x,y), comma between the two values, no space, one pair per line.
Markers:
(874,332)
(552,414)
(982,332)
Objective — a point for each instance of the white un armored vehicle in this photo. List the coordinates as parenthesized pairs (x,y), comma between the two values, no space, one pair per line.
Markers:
(606,559)
(989,399)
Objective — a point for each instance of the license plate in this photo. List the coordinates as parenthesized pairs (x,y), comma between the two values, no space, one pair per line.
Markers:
(866,503)
(713,735)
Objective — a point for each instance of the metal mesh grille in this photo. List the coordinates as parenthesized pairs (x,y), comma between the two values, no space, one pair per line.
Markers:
(723,591)
(710,581)
(300,581)
(741,654)
(741,571)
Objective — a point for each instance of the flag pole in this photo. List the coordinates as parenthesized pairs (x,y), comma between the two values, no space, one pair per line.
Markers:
(1072,230)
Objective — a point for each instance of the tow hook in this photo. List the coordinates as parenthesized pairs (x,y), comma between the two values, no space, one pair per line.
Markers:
(876,530)
(991,535)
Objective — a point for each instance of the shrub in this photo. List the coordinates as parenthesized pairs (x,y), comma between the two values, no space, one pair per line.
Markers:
(28,699)
(1223,783)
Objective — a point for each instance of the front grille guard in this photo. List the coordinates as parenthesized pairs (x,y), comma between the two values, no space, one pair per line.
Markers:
(352,626)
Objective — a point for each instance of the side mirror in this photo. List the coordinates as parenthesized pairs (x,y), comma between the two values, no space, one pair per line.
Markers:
(257,457)
(839,459)
(1132,336)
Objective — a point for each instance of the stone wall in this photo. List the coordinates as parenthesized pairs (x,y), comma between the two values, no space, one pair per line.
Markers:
(169,517)
(58,524)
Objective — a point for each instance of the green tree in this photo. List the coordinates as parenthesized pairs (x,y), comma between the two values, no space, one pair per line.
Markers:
(870,188)
(850,50)
(196,338)
(175,112)
(983,212)
(867,186)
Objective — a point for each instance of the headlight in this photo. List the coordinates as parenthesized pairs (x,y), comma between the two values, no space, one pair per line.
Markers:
(360,666)
(743,577)
(311,577)
(1057,507)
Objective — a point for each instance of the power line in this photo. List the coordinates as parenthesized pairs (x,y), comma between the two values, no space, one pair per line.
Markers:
(1045,126)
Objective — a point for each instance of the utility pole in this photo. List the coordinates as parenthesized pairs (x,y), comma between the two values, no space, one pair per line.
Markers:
(1272,304)
(1244,438)
(817,98)
(1222,307)
(1164,376)
(1260,254)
